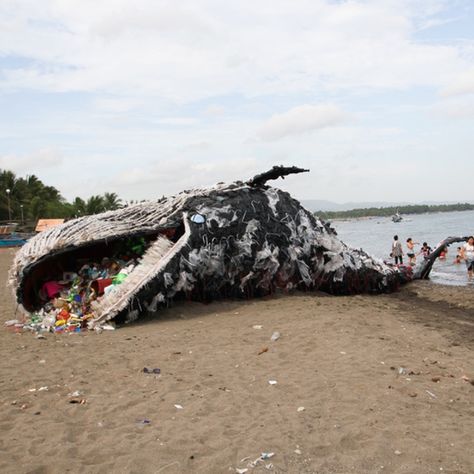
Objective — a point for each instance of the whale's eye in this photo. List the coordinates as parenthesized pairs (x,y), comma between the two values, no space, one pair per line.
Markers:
(198,219)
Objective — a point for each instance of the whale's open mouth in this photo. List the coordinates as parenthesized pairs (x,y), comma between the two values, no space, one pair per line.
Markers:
(92,283)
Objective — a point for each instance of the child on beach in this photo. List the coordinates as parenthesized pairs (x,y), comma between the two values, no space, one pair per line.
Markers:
(458,258)
(425,250)
(467,253)
(411,251)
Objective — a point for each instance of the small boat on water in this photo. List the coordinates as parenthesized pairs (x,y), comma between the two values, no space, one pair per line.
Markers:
(397,217)
(9,238)
(11,241)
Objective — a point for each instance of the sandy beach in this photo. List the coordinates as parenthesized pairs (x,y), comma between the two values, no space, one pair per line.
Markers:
(364,384)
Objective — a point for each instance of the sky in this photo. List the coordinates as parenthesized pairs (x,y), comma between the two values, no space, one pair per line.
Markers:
(146,98)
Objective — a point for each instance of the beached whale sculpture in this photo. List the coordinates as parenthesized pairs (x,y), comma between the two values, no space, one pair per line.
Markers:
(232,240)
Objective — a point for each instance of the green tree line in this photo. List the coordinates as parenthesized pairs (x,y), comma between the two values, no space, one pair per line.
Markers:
(390,211)
(28,199)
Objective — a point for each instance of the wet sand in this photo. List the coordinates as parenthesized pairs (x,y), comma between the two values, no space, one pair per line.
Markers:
(384,382)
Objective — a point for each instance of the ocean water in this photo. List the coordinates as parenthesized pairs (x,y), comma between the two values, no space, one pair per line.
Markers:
(375,235)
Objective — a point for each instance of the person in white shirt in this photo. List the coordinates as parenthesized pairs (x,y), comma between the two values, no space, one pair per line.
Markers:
(467,253)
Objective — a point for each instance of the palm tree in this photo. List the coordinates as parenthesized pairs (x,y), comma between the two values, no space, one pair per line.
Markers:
(112,202)
(95,205)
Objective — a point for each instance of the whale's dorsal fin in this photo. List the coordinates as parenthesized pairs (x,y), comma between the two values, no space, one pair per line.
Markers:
(275,173)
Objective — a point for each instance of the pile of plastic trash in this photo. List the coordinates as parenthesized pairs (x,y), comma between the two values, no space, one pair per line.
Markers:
(67,301)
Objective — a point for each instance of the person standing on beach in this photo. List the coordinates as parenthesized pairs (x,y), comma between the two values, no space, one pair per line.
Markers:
(467,253)
(411,251)
(397,251)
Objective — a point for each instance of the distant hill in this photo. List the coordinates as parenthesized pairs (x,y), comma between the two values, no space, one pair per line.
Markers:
(322,205)
(315,205)
(389,211)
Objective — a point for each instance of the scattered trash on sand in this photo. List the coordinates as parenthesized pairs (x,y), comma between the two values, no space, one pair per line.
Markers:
(257,326)
(11,322)
(78,401)
(155,371)
(272,382)
(275,336)
(143,421)
(178,407)
(41,389)
(431,394)
(263,350)
(260,460)
(300,409)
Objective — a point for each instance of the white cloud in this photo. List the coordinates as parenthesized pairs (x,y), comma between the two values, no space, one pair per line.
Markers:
(117,104)
(172,176)
(462,84)
(455,108)
(302,119)
(177,121)
(183,52)
(197,146)
(38,160)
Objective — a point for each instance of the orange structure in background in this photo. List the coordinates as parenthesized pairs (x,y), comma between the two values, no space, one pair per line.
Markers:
(44,224)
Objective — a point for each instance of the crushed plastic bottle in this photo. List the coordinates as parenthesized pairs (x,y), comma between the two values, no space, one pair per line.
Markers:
(275,336)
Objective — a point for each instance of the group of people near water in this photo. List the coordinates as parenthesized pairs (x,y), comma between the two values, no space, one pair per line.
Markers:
(465,252)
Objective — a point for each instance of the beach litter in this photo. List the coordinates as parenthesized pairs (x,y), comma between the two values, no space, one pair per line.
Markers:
(178,407)
(66,302)
(143,422)
(257,326)
(275,336)
(272,382)
(300,409)
(263,350)
(155,370)
(260,460)
(11,322)
(78,401)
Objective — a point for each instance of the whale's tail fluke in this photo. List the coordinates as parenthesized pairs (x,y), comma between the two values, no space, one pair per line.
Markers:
(422,270)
